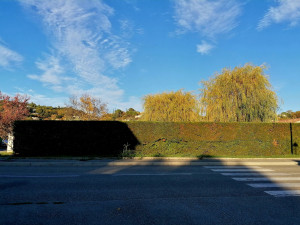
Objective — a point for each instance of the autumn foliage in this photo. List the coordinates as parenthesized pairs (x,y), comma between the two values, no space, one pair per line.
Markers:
(11,109)
(176,106)
(243,94)
(85,107)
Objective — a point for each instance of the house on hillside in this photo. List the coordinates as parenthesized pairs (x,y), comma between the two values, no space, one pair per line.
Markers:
(289,121)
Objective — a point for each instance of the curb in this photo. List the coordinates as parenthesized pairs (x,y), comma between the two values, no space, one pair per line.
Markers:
(208,158)
(151,163)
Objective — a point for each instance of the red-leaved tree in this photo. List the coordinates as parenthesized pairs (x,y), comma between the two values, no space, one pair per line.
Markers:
(11,109)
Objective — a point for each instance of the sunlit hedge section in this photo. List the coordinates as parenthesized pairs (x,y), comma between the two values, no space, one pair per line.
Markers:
(296,138)
(110,138)
(215,139)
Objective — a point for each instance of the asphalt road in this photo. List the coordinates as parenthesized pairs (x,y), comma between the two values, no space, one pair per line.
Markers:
(150,195)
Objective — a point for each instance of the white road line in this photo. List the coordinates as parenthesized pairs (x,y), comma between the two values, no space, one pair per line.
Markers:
(230,167)
(37,176)
(265,178)
(255,174)
(279,185)
(284,193)
(153,174)
(241,170)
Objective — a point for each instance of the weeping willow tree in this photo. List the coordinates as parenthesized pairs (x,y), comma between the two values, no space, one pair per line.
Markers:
(243,94)
(173,107)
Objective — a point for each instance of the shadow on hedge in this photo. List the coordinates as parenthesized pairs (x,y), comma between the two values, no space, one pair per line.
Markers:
(72,138)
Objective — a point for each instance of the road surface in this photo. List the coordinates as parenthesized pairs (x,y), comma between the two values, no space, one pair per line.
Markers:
(150,195)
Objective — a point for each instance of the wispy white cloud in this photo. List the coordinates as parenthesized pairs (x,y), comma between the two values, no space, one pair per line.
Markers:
(209,18)
(82,38)
(52,71)
(129,29)
(286,11)
(206,18)
(40,99)
(52,75)
(204,48)
(134,4)
(8,57)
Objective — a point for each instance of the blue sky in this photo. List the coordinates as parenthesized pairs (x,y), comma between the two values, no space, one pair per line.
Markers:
(122,50)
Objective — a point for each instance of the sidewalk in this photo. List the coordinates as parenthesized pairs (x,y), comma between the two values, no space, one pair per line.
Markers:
(151,162)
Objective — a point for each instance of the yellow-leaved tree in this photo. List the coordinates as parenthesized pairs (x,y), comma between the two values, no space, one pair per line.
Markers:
(85,107)
(173,106)
(243,94)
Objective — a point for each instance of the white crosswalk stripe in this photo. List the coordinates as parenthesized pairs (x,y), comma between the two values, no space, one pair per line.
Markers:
(279,185)
(266,178)
(241,170)
(269,177)
(284,193)
(255,174)
(230,167)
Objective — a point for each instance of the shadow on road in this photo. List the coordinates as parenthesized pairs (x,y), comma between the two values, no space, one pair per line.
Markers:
(149,193)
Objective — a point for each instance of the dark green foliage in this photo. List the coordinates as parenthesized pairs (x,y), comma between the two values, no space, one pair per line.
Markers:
(289,115)
(120,115)
(117,114)
(71,138)
(132,112)
(108,138)
(45,112)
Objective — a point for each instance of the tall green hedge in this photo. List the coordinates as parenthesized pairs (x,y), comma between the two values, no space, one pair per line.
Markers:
(110,138)
(71,138)
(215,139)
(296,138)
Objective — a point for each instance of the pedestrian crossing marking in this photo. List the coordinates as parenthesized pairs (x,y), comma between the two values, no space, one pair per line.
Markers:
(152,174)
(258,174)
(284,193)
(266,178)
(277,185)
(241,170)
(230,167)
(254,174)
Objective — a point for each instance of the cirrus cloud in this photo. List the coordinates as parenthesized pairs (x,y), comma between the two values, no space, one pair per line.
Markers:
(8,57)
(286,11)
(83,47)
(206,18)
